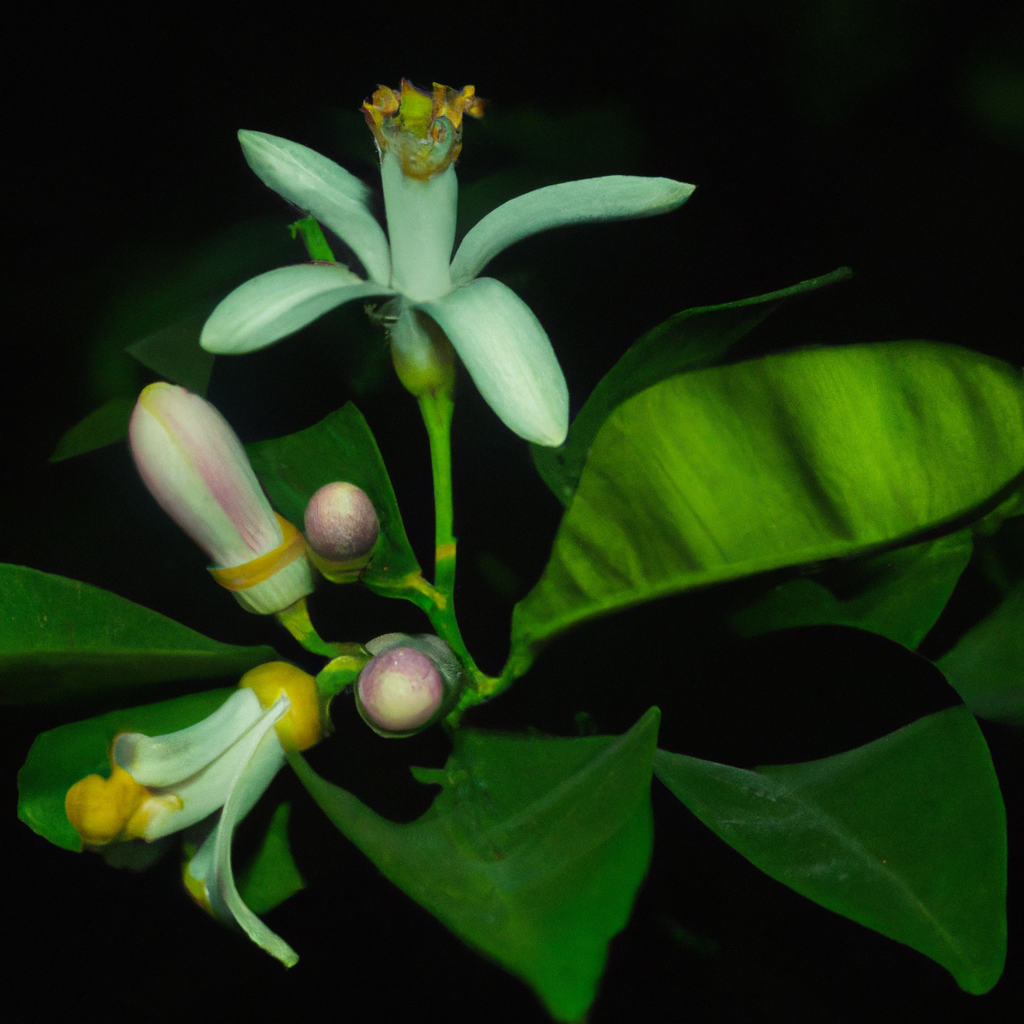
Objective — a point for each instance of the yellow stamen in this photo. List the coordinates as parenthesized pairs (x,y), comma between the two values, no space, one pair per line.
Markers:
(303,725)
(423,129)
(196,888)
(259,570)
(102,810)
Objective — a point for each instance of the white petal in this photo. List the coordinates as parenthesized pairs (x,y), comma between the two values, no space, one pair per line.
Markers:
(617,197)
(212,865)
(509,357)
(165,760)
(421,225)
(278,303)
(204,792)
(318,185)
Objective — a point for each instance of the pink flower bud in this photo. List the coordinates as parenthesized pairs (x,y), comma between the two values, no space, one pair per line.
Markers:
(196,468)
(408,684)
(341,522)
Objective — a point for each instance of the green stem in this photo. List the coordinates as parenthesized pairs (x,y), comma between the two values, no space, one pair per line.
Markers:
(437,415)
(437,412)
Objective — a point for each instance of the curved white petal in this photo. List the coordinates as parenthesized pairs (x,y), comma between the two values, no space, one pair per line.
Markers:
(165,760)
(273,305)
(212,864)
(616,197)
(509,357)
(332,195)
(178,806)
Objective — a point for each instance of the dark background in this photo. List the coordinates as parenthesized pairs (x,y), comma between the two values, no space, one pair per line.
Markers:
(887,137)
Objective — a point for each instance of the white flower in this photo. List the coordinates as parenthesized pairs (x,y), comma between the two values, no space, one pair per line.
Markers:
(500,341)
(162,784)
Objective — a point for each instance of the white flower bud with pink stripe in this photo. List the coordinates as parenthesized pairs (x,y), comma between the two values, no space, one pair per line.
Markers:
(196,468)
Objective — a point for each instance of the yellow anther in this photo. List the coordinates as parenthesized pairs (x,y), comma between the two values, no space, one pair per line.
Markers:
(102,809)
(302,726)
(423,129)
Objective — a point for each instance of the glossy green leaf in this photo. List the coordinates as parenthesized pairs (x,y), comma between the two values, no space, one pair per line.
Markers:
(986,667)
(60,757)
(906,835)
(103,426)
(690,339)
(736,470)
(899,594)
(340,447)
(532,852)
(272,875)
(61,639)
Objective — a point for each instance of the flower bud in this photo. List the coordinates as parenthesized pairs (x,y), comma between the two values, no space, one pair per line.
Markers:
(196,468)
(341,526)
(410,682)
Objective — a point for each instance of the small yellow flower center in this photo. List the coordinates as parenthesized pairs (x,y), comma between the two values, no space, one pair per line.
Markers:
(424,130)
(302,726)
(102,810)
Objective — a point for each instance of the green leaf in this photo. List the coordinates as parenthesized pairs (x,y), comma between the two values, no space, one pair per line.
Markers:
(105,425)
(900,593)
(736,470)
(60,757)
(273,875)
(986,667)
(690,339)
(61,640)
(532,853)
(174,352)
(340,447)
(906,835)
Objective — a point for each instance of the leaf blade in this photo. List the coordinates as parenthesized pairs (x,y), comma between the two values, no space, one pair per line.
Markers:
(62,639)
(536,867)
(736,470)
(905,835)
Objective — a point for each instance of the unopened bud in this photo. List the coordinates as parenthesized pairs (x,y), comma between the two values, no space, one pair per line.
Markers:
(341,523)
(195,466)
(409,683)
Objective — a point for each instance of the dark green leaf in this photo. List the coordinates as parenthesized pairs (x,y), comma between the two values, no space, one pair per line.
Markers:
(903,593)
(105,425)
(986,667)
(272,876)
(906,835)
(690,339)
(174,352)
(340,447)
(792,459)
(61,639)
(533,851)
(60,757)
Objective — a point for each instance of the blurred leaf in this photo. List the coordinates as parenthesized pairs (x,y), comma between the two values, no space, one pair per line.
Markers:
(687,341)
(272,876)
(174,353)
(735,470)
(61,639)
(105,425)
(905,593)
(532,852)
(986,667)
(60,757)
(166,289)
(340,447)
(906,835)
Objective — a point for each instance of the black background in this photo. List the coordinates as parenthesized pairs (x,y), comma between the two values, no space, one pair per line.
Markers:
(886,137)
